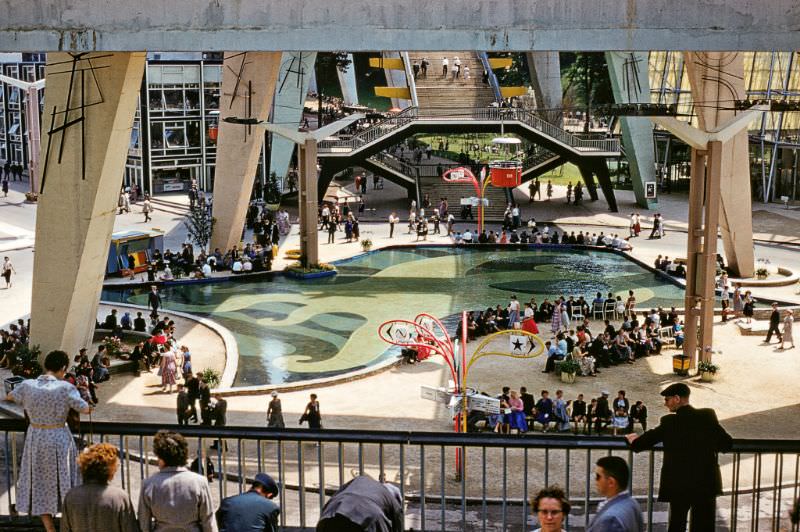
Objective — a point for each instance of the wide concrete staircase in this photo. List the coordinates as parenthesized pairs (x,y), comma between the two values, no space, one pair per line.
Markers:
(436,91)
(436,188)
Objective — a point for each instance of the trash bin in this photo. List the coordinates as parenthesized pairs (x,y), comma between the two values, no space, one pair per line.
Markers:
(680,364)
(10,383)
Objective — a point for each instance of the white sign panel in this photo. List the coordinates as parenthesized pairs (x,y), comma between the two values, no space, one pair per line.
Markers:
(439,395)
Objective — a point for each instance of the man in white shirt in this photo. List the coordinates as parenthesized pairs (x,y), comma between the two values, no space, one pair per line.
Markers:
(237,266)
(467,237)
(247,266)
(206,270)
(445,65)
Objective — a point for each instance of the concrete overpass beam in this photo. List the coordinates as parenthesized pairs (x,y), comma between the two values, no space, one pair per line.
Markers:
(88,115)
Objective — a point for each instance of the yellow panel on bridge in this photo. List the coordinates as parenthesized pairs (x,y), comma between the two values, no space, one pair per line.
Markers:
(508,92)
(500,62)
(393,92)
(391,63)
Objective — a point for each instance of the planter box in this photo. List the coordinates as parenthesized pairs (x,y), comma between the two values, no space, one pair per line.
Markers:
(680,364)
(311,275)
(568,378)
(706,376)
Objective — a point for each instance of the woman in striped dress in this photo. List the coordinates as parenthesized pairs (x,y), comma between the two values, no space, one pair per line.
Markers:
(555,325)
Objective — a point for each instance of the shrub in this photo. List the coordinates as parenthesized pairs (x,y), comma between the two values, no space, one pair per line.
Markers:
(212,377)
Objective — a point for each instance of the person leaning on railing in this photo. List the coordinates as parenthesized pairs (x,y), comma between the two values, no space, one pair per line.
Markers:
(175,498)
(48,469)
(95,505)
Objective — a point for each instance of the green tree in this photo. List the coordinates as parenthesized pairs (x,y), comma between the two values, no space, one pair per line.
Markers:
(517,75)
(199,224)
(325,71)
(587,78)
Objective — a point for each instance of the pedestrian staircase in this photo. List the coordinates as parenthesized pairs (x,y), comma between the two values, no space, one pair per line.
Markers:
(445,92)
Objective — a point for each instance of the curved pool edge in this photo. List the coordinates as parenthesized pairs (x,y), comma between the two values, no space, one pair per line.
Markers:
(231,347)
(341,378)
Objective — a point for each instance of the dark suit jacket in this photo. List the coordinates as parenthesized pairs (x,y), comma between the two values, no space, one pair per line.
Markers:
(153,300)
(366,503)
(248,512)
(221,413)
(692,438)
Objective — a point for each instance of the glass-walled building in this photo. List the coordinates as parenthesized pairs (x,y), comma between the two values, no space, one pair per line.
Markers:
(173,140)
(13,143)
(774,136)
(174,137)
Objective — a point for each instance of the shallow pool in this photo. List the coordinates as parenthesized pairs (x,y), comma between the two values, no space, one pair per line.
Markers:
(288,330)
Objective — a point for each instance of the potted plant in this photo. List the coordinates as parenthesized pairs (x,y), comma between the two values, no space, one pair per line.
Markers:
(31,197)
(569,368)
(366,244)
(272,194)
(707,370)
(762,273)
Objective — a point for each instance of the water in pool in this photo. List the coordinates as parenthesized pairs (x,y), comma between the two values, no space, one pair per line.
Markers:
(289,331)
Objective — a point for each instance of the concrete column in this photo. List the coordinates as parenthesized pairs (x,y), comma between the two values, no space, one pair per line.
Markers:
(545,71)
(694,247)
(309,235)
(719,77)
(290,97)
(630,83)
(86,126)
(248,84)
(588,179)
(347,81)
(707,263)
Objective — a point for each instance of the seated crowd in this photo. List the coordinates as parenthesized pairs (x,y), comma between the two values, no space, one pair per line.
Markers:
(545,236)
(521,412)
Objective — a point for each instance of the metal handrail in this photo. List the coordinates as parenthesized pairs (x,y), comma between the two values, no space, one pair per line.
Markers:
(371,134)
(508,114)
(493,114)
(306,463)
(493,82)
(549,441)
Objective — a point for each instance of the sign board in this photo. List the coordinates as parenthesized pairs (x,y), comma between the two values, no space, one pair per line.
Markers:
(474,202)
(482,403)
(173,187)
(439,395)
(456,174)
(650,190)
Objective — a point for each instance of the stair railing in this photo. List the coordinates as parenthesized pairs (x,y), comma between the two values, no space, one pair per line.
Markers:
(493,82)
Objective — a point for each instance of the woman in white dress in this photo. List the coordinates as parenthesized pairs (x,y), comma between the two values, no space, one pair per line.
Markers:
(788,321)
(48,468)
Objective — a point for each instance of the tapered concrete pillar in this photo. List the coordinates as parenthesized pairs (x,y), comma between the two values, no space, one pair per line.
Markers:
(86,131)
(248,85)
(347,81)
(290,98)
(630,84)
(717,78)
(545,71)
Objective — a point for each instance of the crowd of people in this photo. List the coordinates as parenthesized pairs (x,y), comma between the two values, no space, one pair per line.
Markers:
(520,411)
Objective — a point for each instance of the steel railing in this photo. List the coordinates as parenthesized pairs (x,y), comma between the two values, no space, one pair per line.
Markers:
(490,487)
(584,146)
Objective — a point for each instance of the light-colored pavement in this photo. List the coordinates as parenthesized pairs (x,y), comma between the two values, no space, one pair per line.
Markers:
(748,367)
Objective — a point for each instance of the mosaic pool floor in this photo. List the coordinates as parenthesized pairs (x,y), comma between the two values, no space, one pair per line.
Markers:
(289,331)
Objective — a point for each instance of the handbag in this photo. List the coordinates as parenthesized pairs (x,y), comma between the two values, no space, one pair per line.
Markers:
(303,419)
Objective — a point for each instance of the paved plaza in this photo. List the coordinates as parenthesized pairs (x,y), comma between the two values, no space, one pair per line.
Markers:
(748,366)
